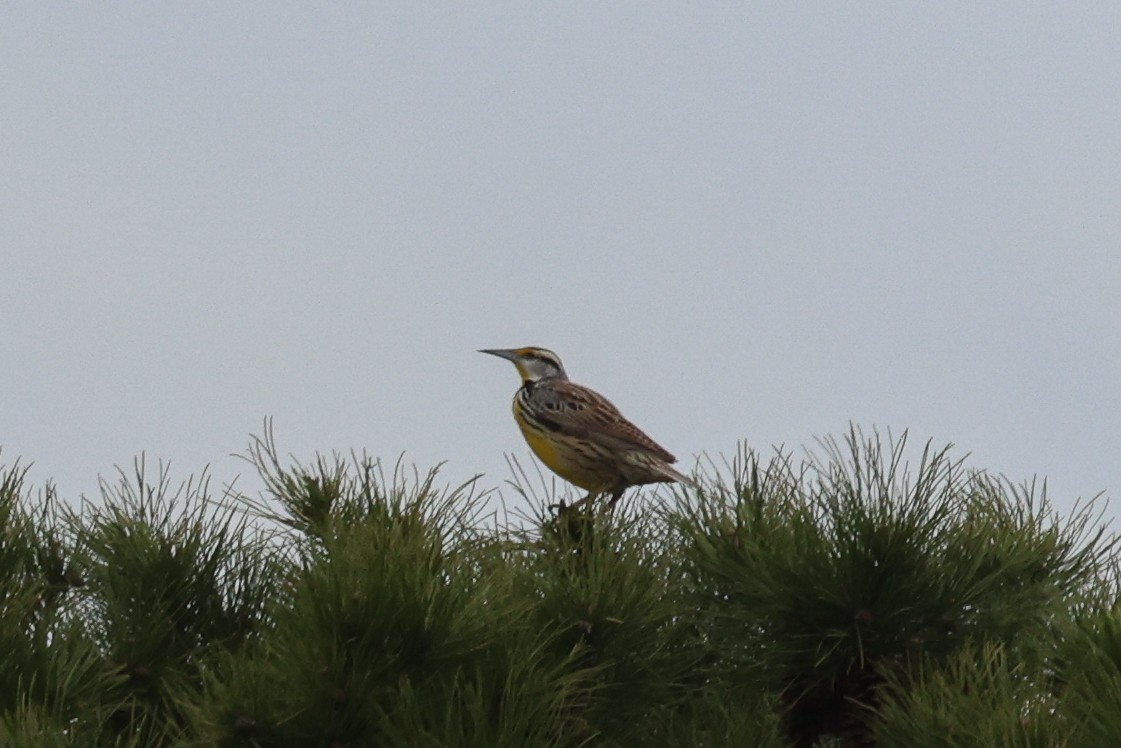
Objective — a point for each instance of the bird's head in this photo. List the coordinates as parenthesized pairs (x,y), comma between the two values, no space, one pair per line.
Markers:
(534,364)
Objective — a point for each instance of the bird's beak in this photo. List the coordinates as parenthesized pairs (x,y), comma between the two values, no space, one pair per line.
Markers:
(506,353)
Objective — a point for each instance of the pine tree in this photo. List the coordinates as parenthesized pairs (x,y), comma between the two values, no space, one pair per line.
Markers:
(848,599)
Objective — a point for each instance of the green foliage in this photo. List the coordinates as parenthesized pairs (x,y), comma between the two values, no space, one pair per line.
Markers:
(819,580)
(615,601)
(394,626)
(51,674)
(172,580)
(979,696)
(1089,669)
(842,601)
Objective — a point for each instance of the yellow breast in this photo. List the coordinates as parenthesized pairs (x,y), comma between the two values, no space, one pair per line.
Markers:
(563,458)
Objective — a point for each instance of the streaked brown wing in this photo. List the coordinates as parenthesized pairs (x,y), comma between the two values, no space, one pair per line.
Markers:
(584,413)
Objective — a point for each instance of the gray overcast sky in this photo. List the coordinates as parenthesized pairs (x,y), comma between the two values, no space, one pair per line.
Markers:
(738,222)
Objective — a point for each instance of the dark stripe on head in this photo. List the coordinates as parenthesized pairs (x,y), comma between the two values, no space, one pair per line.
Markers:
(550,360)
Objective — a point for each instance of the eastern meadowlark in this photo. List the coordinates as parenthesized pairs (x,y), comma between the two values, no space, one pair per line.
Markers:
(579,434)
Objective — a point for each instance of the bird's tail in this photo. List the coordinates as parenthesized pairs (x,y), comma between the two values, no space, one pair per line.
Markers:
(673,475)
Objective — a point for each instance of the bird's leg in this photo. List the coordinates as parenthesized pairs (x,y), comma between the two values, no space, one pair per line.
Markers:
(615,496)
(586,500)
(563,507)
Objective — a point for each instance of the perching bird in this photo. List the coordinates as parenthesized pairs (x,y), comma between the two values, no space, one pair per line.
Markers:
(579,434)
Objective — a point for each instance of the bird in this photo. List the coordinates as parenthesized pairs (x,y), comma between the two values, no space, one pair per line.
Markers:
(579,434)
